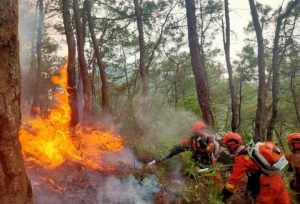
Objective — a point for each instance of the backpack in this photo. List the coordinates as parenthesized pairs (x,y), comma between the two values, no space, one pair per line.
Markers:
(268,157)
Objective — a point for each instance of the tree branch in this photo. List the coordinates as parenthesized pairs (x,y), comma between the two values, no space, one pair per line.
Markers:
(159,38)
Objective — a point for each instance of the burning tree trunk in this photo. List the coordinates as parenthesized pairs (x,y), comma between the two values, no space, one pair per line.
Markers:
(234,101)
(139,20)
(197,64)
(86,82)
(262,89)
(40,27)
(99,56)
(14,185)
(276,66)
(66,4)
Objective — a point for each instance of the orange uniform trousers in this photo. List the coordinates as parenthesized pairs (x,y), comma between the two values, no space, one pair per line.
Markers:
(272,190)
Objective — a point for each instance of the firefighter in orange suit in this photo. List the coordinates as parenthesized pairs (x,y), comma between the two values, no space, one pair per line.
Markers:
(262,165)
(201,143)
(294,161)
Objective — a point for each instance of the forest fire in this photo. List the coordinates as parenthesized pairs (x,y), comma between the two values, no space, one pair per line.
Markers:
(82,164)
(49,142)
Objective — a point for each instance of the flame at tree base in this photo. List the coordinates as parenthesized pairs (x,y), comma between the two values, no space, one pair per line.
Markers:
(49,142)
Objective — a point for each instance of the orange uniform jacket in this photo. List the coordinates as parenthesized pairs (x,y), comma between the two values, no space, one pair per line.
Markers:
(272,187)
(294,160)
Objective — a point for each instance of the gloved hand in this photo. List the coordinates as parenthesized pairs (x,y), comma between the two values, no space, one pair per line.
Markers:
(199,170)
(151,163)
(290,168)
(210,148)
(226,195)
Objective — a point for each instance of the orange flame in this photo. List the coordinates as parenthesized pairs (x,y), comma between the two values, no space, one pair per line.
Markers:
(49,142)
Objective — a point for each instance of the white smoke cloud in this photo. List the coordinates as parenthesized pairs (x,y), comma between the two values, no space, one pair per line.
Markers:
(74,184)
(27,23)
(125,158)
(128,190)
(163,125)
(83,187)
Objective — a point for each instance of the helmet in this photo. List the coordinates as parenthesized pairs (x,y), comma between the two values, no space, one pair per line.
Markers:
(197,126)
(294,141)
(268,157)
(232,137)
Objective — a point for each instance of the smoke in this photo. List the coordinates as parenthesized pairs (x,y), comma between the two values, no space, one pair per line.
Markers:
(27,26)
(74,184)
(163,126)
(125,158)
(84,187)
(128,190)
(26,32)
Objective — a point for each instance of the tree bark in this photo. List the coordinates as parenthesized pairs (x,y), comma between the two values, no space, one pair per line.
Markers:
(234,101)
(14,185)
(276,67)
(86,82)
(36,104)
(99,56)
(240,100)
(294,96)
(33,65)
(260,120)
(73,98)
(140,25)
(198,67)
(176,81)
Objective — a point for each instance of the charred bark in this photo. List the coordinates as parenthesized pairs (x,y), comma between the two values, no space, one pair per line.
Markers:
(99,56)
(197,64)
(234,100)
(144,72)
(69,31)
(86,82)
(276,67)
(260,120)
(14,185)
(36,104)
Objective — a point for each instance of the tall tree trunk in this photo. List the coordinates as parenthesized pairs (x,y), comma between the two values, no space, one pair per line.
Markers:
(240,100)
(276,67)
(140,25)
(33,68)
(126,72)
(94,81)
(176,81)
(99,56)
(198,66)
(73,98)
(14,185)
(260,120)
(86,82)
(234,102)
(294,96)
(36,104)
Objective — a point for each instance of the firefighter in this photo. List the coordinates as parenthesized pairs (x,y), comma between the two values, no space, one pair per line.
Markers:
(294,161)
(202,144)
(262,163)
